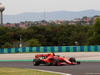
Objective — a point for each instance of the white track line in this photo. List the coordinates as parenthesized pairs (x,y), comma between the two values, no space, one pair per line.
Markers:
(51,71)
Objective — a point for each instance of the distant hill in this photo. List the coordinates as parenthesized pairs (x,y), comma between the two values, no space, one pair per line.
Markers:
(57,15)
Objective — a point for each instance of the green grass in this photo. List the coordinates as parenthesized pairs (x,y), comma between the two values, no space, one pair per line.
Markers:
(20,71)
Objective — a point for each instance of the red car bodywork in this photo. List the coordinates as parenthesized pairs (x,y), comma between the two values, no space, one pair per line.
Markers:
(51,58)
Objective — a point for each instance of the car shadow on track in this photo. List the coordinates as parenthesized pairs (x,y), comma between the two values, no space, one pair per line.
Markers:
(54,65)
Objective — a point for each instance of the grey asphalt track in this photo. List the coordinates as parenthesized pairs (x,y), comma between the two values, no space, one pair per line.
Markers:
(85,68)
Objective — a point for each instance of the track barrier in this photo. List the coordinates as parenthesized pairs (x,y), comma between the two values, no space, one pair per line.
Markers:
(52,49)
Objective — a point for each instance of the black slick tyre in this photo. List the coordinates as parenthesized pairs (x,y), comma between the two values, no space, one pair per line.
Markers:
(36,62)
(56,60)
(72,60)
(78,62)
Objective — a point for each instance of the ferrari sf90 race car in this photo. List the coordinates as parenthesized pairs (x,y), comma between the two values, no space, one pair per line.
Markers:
(53,59)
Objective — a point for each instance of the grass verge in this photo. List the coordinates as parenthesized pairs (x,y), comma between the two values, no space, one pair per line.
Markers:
(20,71)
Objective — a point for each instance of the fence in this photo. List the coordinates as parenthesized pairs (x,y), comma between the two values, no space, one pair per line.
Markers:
(52,49)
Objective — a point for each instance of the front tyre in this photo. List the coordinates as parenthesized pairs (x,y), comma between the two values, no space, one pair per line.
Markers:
(72,60)
(78,62)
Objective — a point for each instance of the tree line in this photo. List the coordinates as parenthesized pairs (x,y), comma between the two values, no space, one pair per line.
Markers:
(51,35)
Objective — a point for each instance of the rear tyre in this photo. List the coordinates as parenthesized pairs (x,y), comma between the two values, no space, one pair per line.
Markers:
(72,60)
(56,60)
(36,62)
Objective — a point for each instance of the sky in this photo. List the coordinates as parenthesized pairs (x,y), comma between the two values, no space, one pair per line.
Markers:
(13,7)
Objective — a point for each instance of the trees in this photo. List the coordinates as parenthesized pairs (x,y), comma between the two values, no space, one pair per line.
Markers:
(96,31)
(4,36)
(34,43)
(7,45)
(97,26)
(52,35)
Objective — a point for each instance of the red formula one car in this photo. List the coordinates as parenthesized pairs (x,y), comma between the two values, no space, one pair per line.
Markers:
(53,59)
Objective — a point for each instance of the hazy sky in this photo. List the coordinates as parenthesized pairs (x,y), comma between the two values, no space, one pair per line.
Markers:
(20,6)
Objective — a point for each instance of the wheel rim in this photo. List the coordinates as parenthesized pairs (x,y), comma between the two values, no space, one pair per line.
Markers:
(54,62)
